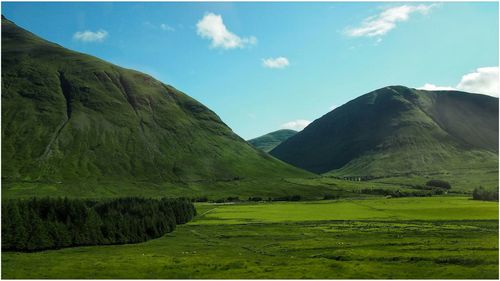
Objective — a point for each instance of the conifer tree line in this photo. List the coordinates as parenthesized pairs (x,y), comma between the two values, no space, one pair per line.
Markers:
(52,223)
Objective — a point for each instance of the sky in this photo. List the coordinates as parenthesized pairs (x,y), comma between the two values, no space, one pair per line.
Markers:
(268,66)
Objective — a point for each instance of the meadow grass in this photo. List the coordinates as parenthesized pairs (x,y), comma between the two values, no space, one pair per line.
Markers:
(427,208)
(439,237)
(309,188)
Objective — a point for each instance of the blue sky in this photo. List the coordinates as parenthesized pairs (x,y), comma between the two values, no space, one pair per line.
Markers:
(266,66)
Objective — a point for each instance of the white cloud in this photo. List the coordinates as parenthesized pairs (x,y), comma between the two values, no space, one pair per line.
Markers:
(432,87)
(212,27)
(384,22)
(297,125)
(90,36)
(166,27)
(483,80)
(279,62)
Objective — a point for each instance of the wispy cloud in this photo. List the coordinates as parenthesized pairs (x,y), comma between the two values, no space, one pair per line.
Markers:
(162,26)
(91,36)
(379,25)
(212,27)
(166,27)
(279,62)
(483,80)
(297,125)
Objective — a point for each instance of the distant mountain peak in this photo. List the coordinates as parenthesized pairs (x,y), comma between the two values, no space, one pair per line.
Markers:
(269,141)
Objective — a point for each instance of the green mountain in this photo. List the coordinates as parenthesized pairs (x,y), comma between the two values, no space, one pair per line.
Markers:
(269,141)
(71,117)
(396,131)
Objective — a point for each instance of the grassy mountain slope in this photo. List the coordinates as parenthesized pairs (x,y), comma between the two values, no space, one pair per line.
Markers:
(70,117)
(397,131)
(269,141)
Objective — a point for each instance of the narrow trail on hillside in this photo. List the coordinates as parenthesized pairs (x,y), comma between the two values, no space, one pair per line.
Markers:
(206,212)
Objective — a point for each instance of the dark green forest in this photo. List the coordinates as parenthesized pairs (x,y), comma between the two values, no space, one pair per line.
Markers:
(52,223)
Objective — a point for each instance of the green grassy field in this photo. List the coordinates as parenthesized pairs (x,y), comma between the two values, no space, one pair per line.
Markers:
(311,188)
(307,188)
(438,237)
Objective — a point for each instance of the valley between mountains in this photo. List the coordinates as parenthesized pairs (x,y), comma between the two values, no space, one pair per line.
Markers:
(397,183)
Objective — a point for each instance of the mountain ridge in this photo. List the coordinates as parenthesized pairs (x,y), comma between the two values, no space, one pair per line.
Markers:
(397,123)
(68,116)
